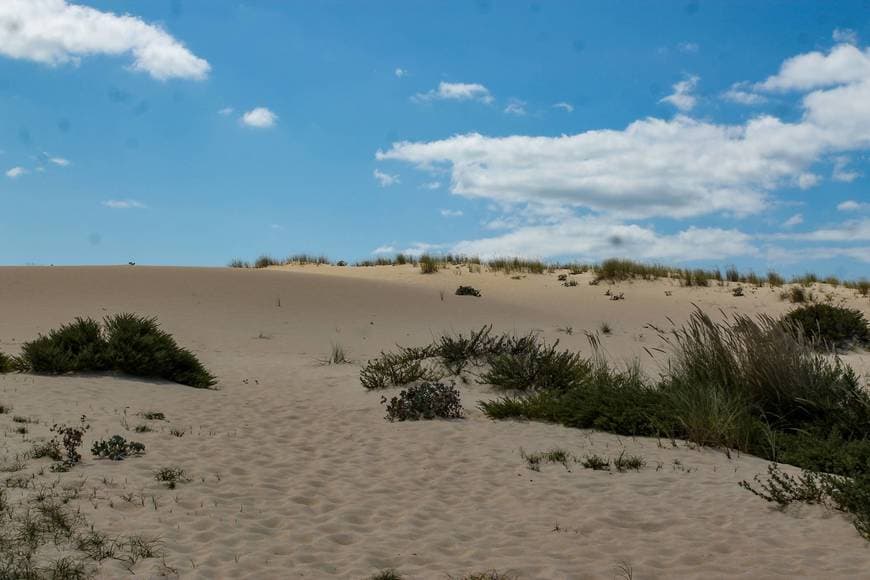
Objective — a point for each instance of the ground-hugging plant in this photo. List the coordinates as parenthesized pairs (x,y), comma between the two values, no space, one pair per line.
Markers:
(116,448)
(171,476)
(467,291)
(74,347)
(832,325)
(424,401)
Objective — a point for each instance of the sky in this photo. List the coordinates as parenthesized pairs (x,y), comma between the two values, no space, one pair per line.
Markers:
(190,132)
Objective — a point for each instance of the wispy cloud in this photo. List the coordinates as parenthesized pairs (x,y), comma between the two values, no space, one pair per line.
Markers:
(450,213)
(795,220)
(15,172)
(688,47)
(400,72)
(682,97)
(226,111)
(55,32)
(123,204)
(384,250)
(846,35)
(742,94)
(840,171)
(260,118)
(852,205)
(568,107)
(385,179)
(60,161)
(456,92)
(516,107)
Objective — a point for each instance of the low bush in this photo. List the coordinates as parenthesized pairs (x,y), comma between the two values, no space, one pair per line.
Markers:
(116,448)
(8,364)
(538,368)
(74,347)
(832,325)
(126,342)
(395,370)
(136,345)
(424,401)
(796,295)
(171,476)
(467,291)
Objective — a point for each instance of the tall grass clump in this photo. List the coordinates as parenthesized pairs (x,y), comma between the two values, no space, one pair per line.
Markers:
(428,264)
(512,265)
(125,342)
(239,263)
(303,259)
(774,279)
(265,261)
(616,269)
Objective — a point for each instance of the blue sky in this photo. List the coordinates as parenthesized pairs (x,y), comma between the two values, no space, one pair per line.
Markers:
(191,132)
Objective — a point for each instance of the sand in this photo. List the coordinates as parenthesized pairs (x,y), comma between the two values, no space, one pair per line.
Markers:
(295,474)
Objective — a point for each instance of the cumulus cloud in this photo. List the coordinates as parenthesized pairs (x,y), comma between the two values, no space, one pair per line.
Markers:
(260,118)
(456,92)
(55,32)
(681,167)
(567,107)
(385,179)
(123,204)
(594,238)
(779,255)
(844,64)
(682,97)
(384,250)
(15,172)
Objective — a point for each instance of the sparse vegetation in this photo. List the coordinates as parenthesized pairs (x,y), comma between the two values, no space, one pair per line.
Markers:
(116,448)
(428,264)
(424,401)
(556,455)
(8,364)
(467,291)
(337,355)
(171,476)
(237,263)
(796,295)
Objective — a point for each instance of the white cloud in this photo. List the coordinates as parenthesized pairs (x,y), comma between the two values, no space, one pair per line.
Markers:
(682,97)
(807,180)
(739,93)
(260,118)
(849,231)
(456,92)
(124,204)
(688,47)
(778,255)
(432,185)
(226,111)
(15,172)
(55,32)
(516,107)
(845,35)
(568,107)
(385,179)
(384,250)
(400,72)
(844,64)
(448,213)
(841,173)
(795,220)
(594,238)
(421,248)
(852,205)
(60,161)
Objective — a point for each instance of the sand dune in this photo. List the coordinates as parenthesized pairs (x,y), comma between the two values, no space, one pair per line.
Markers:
(295,474)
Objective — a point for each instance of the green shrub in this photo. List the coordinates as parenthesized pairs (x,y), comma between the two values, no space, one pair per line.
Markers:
(237,263)
(8,364)
(265,261)
(74,347)
(171,476)
(136,345)
(596,463)
(116,448)
(832,325)
(467,291)
(395,370)
(538,368)
(424,401)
